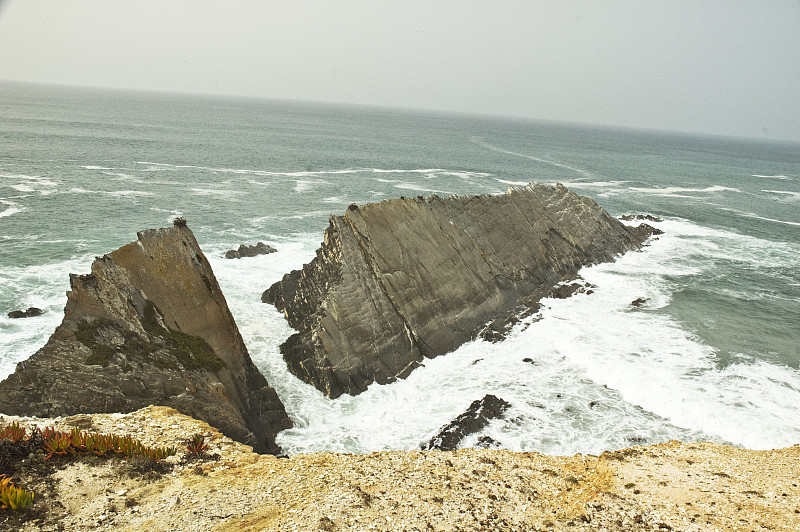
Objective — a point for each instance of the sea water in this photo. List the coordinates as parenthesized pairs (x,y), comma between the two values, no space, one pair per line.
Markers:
(712,354)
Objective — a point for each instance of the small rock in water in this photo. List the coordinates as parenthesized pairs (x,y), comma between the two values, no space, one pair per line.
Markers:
(648,217)
(639,301)
(477,416)
(249,251)
(30,313)
(487,442)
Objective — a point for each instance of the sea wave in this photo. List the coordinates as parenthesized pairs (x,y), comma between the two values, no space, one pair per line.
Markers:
(792,195)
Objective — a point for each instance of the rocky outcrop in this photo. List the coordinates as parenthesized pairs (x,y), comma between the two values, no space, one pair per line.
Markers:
(397,281)
(475,418)
(249,251)
(29,313)
(149,325)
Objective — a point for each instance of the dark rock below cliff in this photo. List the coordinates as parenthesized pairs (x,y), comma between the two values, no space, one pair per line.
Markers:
(648,217)
(397,281)
(149,325)
(477,416)
(30,313)
(249,251)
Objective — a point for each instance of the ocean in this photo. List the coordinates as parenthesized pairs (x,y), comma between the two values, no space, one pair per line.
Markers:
(712,354)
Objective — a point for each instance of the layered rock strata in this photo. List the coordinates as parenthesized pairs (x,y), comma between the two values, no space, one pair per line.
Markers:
(405,279)
(149,325)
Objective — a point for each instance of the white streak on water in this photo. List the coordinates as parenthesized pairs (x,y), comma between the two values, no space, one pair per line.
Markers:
(673,191)
(779,176)
(792,195)
(480,142)
(12,209)
(417,188)
(759,217)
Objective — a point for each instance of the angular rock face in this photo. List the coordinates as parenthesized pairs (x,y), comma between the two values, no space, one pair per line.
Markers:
(149,325)
(401,280)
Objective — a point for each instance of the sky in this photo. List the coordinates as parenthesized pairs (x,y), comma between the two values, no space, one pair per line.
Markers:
(725,67)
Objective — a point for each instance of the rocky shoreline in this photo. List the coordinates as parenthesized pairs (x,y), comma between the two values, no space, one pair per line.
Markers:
(671,486)
(393,283)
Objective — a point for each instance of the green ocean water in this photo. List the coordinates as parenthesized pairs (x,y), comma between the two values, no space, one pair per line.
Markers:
(714,353)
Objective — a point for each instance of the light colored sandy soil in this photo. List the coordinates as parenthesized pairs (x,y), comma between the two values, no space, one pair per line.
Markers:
(672,486)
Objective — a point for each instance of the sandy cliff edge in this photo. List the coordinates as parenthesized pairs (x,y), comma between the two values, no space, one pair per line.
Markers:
(671,486)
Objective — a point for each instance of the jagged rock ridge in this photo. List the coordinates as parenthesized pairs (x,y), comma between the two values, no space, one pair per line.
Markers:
(149,325)
(397,281)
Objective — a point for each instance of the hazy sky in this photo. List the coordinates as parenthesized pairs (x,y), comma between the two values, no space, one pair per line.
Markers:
(712,66)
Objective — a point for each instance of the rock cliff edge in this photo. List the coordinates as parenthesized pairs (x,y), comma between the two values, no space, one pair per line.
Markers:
(405,279)
(149,325)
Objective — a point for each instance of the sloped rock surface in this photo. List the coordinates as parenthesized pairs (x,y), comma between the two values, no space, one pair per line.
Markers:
(405,279)
(149,325)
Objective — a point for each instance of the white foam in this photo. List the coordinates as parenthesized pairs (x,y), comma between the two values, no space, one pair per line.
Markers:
(41,286)
(12,209)
(512,183)
(792,195)
(31,180)
(111,193)
(303,185)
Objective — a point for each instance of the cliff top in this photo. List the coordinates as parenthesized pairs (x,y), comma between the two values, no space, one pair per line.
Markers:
(671,486)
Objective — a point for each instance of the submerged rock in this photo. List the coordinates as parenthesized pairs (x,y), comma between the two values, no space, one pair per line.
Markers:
(400,280)
(477,416)
(149,325)
(249,251)
(30,313)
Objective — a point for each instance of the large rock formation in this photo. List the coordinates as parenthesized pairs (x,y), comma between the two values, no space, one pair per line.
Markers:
(149,325)
(409,278)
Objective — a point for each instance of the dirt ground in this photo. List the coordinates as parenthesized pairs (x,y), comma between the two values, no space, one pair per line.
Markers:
(671,486)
